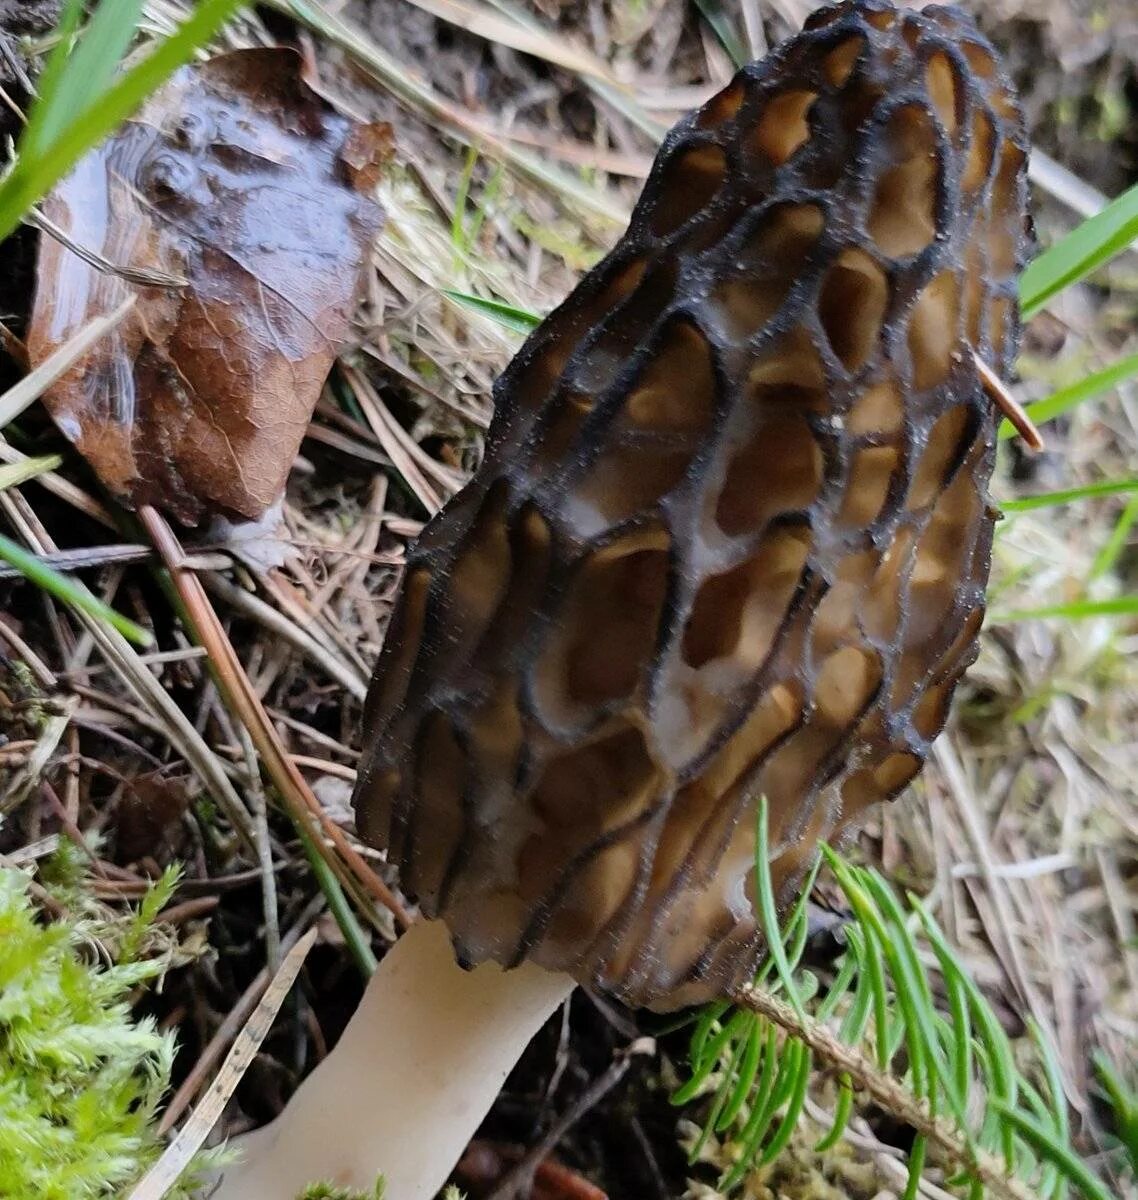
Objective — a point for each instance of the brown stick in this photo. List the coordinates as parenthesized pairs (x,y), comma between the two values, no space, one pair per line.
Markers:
(240,696)
(1007,404)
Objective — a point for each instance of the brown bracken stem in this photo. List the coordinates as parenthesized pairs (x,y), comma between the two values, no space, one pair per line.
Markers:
(239,695)
(886,1091)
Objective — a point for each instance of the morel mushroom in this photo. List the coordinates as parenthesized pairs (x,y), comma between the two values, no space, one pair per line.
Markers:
(730,539)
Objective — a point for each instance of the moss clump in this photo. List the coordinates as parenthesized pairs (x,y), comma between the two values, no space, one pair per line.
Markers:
(80,1080)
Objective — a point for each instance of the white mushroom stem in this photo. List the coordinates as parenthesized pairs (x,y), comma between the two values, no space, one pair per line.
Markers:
(408,1083)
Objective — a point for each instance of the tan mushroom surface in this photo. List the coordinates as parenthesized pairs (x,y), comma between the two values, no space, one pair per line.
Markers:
(731,534)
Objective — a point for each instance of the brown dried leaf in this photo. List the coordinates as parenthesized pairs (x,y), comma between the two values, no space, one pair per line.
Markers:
(151,808)
(237,178)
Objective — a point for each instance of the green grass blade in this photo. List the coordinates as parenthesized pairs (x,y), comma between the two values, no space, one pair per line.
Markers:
(763,1096)
(724,31)
(785,1130)
(797,928)
(708,1019)
(458,234)
(766,1105)
(962,1055)
(53,73)
(712,1052)
(1090,491)
(872,962)
(916,1167)
(1076,610)
(1054,1105)
(842,1112)
(768,914)
(70,592)
(1056,1100)
(490,195)
(357,941)
(748,1072)
(1045,1145)
(905,990)
(714,1122)
(914,980)
(33,176)
(13,474)
(1123,1103)
(1077,393)
(509,315)
(854,1023)
(1110,552)
(90,68)
(1001,1076)
(1089,246)
(841,985)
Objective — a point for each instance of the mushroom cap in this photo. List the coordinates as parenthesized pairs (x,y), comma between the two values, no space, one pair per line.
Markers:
(732,530)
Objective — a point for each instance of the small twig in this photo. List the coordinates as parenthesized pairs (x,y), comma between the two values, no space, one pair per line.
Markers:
(74,833)
(243,700)
(176,1157)
(189,910)
(85,557)
(156,708)
(275,622)
(515,1182)
(1007,404)
(15,64)
(884,1090)
(140,276)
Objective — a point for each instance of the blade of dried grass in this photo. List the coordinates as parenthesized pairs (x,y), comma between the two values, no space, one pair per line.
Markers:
(13,474)
(235,1019)
(1001,931)
(422,98)
(1064,185)
(35,383)
(45,676)
(601,82)
(407,457)
(415,380)
(86,557)
(140,276)
(243,701)
(176,1157)
(277,623)
(560,51)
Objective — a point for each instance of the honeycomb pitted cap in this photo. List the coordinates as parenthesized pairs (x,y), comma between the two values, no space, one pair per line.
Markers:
(732,531)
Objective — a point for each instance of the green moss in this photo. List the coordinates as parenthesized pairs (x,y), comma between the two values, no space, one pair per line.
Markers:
(329,1191)
(80,1079)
